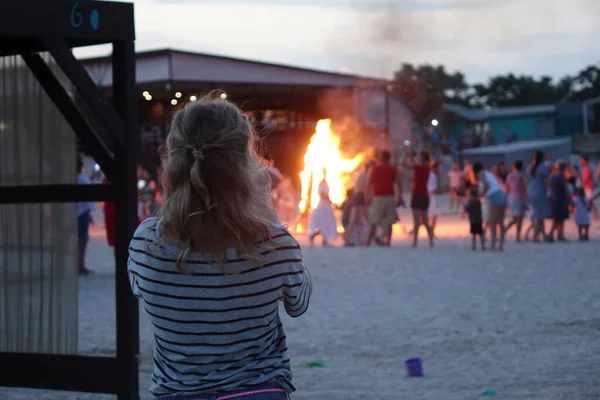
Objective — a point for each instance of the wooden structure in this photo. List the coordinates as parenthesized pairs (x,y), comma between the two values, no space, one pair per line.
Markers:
(35,32)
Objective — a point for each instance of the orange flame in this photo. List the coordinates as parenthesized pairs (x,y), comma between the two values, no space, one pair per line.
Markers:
(324,153)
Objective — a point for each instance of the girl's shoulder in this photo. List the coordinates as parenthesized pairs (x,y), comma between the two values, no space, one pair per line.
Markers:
(146,228)
(280,235)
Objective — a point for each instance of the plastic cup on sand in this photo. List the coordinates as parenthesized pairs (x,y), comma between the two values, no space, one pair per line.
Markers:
(414,367)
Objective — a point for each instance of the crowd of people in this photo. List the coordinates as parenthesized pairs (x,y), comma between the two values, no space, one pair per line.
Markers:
(543,191)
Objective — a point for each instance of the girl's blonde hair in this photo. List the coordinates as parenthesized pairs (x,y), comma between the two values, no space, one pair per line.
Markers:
(216,186)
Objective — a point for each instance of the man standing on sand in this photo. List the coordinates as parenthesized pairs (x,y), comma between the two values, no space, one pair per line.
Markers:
(587,181)
(380,185)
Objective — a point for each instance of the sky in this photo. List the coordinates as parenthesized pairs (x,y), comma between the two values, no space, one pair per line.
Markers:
(480,38)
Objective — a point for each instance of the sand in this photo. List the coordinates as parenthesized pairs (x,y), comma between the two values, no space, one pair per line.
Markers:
(524,323)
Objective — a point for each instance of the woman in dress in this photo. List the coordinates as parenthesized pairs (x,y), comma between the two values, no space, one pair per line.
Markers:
(559,200)
(537,191)
(496,198)
(516,188)
(322,220)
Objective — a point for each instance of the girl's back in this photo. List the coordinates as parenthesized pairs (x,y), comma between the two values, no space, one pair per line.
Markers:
(516,185)
(218,328)
(215,263)
(537,187)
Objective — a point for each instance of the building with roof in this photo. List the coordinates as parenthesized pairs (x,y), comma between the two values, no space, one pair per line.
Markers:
(283,100)
(522,123)
(527,122)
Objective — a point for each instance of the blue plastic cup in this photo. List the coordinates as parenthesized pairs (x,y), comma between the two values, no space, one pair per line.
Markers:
(414,367)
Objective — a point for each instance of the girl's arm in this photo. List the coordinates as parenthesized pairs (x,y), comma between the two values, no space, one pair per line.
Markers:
(567,191)
(368,185)
(524,184)
(486,185)
(409,162)
(399,183)
(546,177)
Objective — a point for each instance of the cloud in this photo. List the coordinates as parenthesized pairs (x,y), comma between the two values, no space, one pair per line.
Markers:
(373,37)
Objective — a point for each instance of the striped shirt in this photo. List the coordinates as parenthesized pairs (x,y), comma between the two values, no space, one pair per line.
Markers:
(218,329)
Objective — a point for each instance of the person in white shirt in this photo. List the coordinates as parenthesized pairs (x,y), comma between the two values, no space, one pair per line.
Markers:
(432,189)
(454,178)
(84,219)
(497,202)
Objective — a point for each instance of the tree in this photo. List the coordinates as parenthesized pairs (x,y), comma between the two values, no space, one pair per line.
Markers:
(510,90)
(426,88)
(587,83)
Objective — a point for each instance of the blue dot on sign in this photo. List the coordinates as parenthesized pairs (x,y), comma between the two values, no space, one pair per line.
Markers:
(94,19)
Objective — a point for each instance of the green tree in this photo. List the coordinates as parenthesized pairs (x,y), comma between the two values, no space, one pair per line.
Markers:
(424,89)
(586,84)
(511,90)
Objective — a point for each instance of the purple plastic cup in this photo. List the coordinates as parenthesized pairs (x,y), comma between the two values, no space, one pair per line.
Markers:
(414,367)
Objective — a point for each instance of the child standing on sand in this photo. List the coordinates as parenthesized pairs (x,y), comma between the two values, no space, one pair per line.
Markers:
(473,209)
(582,214)
(215,263)
(322,219)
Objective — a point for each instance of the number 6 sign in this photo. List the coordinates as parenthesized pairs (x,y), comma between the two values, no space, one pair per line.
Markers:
(76,17)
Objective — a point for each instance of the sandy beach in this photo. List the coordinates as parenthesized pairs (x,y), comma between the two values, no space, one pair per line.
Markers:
(524,323)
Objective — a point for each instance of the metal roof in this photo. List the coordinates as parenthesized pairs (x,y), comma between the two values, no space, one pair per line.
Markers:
(168,65)
(481,115)
(517,146)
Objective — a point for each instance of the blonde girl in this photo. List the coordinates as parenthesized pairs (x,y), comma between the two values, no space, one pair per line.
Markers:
(212,267)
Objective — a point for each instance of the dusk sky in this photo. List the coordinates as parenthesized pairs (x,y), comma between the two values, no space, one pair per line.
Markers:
(373,37)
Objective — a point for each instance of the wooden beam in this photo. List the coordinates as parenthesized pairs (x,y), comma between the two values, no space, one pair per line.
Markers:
(90,139)
(124,99)
(59,372)
(93,22)
(86,87)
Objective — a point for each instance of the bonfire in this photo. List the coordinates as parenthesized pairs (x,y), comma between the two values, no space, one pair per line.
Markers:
(324,153)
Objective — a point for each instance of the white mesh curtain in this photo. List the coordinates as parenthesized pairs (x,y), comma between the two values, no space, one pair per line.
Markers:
(38,242)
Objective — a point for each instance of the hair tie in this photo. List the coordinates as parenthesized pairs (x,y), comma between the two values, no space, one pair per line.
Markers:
(198,154)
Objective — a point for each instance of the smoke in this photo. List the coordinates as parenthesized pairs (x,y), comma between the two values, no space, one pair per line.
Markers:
(481,37)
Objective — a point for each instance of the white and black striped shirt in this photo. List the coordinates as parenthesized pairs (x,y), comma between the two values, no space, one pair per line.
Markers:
(218,329)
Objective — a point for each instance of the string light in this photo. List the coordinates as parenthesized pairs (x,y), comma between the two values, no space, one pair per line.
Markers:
(223,95)
(193,98)
(148,98)
(178,95)
(146,93)
(174,102)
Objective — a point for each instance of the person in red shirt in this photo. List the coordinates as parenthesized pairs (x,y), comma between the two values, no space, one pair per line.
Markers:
(587,181)
(382,209)
(110,220)
(420,195)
